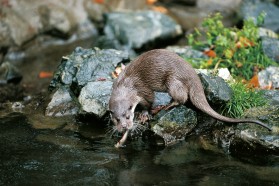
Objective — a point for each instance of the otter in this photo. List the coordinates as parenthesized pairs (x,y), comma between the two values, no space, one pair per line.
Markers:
(163,71)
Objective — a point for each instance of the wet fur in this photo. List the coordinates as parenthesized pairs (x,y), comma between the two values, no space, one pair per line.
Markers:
(163,71)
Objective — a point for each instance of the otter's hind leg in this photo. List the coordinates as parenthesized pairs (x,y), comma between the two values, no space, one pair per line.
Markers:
(178,91)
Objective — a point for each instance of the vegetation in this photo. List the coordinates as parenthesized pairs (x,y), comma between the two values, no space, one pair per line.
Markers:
(243,98)
(240,51)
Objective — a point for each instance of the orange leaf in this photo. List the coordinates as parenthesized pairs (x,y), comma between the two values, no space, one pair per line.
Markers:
(210,53)
(99,1)
(254,81)
(209,62)
(151,2)
(44,74)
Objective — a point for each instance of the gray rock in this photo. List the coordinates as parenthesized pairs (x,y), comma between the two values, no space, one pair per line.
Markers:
(257,138)
(272,96)
(9,73)
(86,65)
(253,8)
(269,77)
(174,124)
(161,98)
(63,103)
(187,52)
(271,48)
(136,29)
(79,74)
(94,97)
(217,91)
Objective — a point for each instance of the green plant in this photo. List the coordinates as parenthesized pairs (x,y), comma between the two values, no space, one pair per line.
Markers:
(239,50)
(243,99)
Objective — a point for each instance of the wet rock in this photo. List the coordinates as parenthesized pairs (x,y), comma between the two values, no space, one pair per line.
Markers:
(94,97)
(86,65)
(217,91)
(271,47)
(272,96)
(9,73)
(63,103)
(256,137)
(253,8)
(175,124)
(79,82)
(135,29)
(269,77)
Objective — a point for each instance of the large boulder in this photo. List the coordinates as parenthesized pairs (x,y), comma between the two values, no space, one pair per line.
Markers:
(82,77)
(136,29)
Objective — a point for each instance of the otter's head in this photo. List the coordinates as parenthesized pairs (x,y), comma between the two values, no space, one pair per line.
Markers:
(122,114)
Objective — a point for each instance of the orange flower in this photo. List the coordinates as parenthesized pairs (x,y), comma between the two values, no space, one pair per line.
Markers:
(210,53)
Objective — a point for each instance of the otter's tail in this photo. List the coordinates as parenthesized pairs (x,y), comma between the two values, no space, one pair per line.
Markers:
(199,101)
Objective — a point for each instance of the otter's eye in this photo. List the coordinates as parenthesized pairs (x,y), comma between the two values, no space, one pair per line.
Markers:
(127,117)
(117,119)
(130,108)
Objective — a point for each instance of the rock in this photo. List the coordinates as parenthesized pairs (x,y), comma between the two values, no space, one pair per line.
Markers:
(191,16)
(83,73)
(187,52)
(161,98)
(9,73)
(269,77)
(264,32)
(174,124)
(94,97)
(216,89)
(63,103)
(272,96)
(253,8)
(271,48)
(85,65)
(19,29)
(135,29)
(255,137)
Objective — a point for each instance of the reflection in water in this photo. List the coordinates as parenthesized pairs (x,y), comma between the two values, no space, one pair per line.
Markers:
(73,154)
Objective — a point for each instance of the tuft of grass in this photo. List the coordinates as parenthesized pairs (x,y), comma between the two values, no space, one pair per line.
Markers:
(243,98)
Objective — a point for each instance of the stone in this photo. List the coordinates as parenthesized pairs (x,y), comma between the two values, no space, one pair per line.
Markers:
(175,124)
(63,103)
(270,48)
(9,73)
(135,29)
(94,97)
(253,8)
(269,77)
(217,91)
(85,65)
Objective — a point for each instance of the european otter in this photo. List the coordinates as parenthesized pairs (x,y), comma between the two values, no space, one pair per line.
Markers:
(163,71)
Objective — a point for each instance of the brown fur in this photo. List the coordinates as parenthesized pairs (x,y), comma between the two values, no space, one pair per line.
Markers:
(163,71)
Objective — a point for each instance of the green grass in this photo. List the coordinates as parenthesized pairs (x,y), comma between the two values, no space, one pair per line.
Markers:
(243,98)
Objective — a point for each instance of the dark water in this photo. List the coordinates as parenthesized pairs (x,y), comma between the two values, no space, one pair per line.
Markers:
(37,150)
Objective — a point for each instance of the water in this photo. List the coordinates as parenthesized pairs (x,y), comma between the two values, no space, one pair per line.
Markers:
(37,150)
